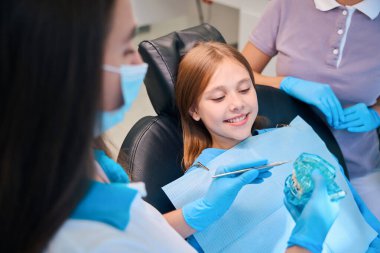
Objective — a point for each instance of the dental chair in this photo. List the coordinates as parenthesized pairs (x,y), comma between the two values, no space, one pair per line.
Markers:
(152,151)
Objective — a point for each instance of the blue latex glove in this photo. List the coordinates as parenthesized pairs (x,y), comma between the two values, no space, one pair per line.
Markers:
(314,221)
(360,118)
(222,192)
(317,94)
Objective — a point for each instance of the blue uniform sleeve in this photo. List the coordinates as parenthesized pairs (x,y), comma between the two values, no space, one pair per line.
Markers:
(113,170)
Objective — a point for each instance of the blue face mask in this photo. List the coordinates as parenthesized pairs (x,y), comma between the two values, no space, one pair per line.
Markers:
(132,76)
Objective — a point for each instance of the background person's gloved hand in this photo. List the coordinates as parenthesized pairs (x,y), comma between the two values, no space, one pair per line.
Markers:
(317,94)
(314,221)
(201,213)
(360,118)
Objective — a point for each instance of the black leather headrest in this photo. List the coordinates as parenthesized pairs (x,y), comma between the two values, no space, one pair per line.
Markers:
(163,56)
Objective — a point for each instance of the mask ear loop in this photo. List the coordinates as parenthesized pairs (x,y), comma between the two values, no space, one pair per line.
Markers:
(112,69)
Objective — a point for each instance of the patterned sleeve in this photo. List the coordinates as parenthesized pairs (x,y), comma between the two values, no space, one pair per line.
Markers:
(265,33)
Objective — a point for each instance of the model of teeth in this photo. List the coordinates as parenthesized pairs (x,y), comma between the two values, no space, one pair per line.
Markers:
(296,184)
(299,185)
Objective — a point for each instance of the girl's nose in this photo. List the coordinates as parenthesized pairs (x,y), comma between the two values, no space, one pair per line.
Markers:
(236,104)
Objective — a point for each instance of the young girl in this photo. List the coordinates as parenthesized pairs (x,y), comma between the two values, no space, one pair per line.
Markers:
(216,98)
(217,102)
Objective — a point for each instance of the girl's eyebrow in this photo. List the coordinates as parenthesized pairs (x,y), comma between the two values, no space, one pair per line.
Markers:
(244,80)
(217,88)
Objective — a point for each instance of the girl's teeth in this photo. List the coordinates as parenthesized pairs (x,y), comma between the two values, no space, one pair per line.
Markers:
(236,119)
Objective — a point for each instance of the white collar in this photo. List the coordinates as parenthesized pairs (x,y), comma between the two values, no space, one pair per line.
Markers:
(371,8)
(325,5)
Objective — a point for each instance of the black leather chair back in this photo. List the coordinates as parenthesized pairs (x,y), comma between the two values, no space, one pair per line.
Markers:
(152,151)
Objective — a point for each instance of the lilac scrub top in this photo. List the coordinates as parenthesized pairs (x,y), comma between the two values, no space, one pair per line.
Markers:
(325,42)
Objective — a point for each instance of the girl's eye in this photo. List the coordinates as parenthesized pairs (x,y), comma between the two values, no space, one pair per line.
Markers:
(218,99)
(245,90)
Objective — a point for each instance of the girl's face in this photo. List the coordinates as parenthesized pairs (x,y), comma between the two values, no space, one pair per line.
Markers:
(118,50)
(228,106)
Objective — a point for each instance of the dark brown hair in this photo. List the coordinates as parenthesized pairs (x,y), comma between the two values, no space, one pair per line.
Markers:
(50,72)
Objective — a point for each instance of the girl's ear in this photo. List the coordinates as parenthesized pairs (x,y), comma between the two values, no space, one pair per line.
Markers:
(194,114)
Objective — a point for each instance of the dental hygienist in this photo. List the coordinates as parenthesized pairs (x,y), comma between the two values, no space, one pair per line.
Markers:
(69,70)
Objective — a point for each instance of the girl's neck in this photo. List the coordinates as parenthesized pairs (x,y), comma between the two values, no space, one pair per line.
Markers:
(349,2)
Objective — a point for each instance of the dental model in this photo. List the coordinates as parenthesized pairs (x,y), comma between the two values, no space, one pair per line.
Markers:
(299,185)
